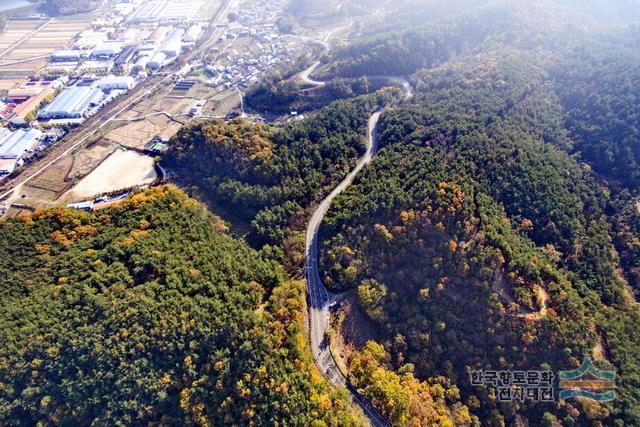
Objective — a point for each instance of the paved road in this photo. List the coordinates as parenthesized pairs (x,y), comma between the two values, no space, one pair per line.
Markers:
(320,298)
(304,76)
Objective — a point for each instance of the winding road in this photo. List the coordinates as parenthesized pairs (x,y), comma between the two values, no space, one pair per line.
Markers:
(319,298)
(305,75)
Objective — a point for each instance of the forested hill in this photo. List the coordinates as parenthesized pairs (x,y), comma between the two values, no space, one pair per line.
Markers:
(263,178)
(475,241)
(148,314)
(593,68)
(524,25)
(497,228)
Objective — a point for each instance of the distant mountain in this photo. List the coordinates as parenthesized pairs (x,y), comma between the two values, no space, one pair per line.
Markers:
(606,11)
(312,7)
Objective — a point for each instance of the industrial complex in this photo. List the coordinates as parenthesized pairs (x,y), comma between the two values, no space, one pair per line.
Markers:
(160,63)
(104,62)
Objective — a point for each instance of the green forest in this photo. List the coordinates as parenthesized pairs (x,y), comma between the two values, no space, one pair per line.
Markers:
(264,178)
(68,7)
(497,228)
(150,313)
(473,241)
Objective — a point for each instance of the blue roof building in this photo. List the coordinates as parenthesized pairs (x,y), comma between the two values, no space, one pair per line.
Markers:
(16,144)
(72,103)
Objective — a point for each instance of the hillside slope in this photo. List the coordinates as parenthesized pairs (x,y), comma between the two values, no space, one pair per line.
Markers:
(149,313)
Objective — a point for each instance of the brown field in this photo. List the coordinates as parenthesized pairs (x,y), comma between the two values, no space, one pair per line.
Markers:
(6,84)
(53,179)
(87,160)
(60,176)
(137,133)
(223,103)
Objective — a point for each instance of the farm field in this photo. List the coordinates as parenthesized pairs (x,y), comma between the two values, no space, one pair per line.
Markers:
(26,44)
(137,133)
(63,174)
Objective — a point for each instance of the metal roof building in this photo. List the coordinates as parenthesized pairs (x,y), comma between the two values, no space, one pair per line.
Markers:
(66,55)
(159,34)
(157,61)
(173,43)
(141,63)
(115,82)
(4,132)
(192,34)
(164,10)
(72,103)
(15,144)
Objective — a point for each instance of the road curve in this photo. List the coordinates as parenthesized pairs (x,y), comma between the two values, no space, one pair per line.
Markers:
(320,298)
(305,75)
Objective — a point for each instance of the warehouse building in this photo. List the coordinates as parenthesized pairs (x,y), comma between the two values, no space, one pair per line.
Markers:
(141,63)
(27,98)
(192,34)
(157,61)
(14,146)
(159,34)
(115,83)
(72,103)
(4,132)
(125,57)
(66,56)
(173,43)
(106,51)
(165,10)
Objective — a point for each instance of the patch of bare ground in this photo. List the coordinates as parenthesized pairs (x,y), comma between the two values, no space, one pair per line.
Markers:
(350,330)
(542,299)
(599,352)
(122,169)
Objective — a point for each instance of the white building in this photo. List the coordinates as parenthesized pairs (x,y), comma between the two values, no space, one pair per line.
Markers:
(115,83)
(15,145)
(157,61)
(141,63)
(72,103)
(192,34)
(172,45)
(66,56)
